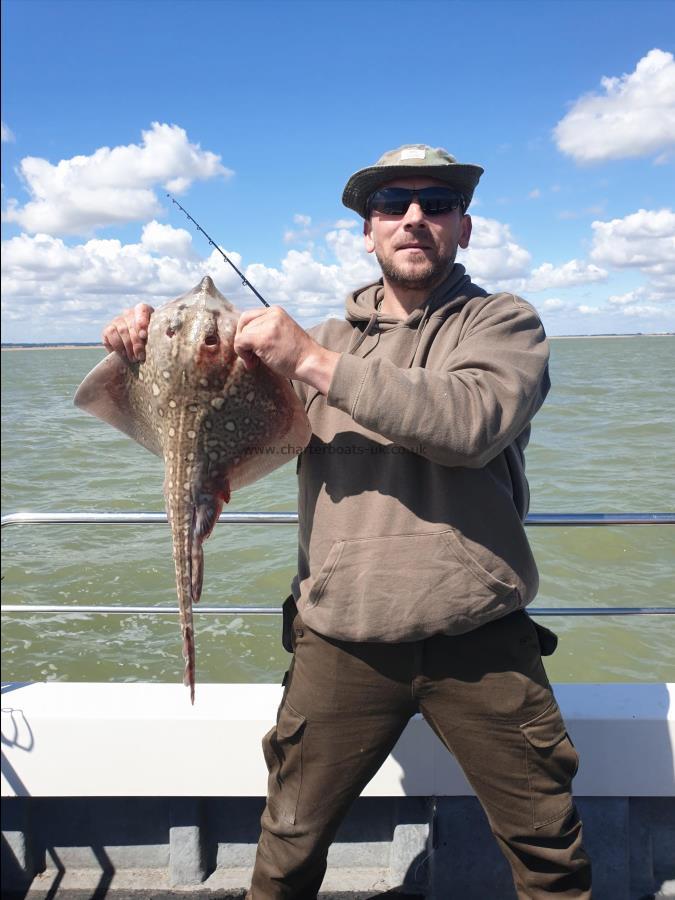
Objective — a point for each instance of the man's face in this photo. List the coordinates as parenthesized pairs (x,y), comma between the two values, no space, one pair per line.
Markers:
(416,250)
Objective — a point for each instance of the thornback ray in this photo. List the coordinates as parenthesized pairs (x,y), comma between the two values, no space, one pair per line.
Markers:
(217,425)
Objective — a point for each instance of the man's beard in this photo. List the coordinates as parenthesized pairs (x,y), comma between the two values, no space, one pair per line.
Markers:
(421,278)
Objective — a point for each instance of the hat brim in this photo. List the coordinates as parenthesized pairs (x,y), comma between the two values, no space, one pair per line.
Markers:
(462,176)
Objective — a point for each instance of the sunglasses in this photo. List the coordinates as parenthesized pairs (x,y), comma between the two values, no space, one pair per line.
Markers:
(433,201)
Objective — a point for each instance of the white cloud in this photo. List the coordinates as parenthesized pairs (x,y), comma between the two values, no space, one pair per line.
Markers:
(661,288)
(82,286)
(625,299)
(53,289)
(572,273)
(642,310)
(167,240)
(112,186)
(358,266)
(534,194)
(304,234)
(301,236)
(104,274)
(635,116)
(311,288)
(307,233)
(644,240)
(493,254)
(497,261)
(6,133)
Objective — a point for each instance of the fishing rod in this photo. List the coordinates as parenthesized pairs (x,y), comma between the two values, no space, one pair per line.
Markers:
(244,280)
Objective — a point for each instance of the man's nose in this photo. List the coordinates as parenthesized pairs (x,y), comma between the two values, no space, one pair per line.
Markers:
(414,214)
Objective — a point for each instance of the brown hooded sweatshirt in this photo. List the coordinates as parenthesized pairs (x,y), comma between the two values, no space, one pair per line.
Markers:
(413,489)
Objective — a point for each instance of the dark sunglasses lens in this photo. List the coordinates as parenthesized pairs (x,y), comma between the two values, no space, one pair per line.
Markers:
(391,201)
(395,201)
(435,201)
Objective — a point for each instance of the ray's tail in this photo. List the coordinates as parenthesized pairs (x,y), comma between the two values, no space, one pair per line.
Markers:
(181,519)
(191,524)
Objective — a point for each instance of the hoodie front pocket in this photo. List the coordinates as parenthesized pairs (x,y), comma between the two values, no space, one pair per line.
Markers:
(471,564)
(404,587)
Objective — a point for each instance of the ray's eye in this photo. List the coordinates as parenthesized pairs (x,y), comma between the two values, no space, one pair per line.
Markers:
(170,331)
(211,339)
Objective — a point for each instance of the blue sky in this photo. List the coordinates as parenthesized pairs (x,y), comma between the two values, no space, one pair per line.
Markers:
(256,114)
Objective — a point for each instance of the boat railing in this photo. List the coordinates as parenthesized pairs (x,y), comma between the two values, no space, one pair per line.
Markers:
(291,518)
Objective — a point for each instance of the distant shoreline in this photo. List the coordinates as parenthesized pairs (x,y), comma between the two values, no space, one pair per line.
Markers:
(581,337)
(52,346)
(554,337)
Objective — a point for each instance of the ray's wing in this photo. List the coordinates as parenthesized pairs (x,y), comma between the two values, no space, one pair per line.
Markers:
(112,393)
(288,436)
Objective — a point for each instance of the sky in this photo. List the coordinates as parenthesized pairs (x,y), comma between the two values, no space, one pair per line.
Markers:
(255,114)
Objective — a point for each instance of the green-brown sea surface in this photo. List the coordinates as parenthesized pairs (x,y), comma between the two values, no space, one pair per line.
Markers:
(602,443)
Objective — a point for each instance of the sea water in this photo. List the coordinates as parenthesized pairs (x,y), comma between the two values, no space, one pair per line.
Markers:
(603,442)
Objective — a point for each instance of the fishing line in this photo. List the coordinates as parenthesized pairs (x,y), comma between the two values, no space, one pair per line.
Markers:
(244,280)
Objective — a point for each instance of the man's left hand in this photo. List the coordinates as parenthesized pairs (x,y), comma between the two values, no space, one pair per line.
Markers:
(272,336)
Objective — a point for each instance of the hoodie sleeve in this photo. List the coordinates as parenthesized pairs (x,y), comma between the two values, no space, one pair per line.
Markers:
(465,414)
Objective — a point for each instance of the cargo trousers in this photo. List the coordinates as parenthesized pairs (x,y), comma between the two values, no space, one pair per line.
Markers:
(487,697)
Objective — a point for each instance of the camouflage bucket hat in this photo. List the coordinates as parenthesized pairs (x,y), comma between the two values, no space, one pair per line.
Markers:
(411,159)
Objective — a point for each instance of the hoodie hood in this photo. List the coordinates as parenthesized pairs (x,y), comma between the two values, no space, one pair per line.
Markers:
(454,290)
(414,332)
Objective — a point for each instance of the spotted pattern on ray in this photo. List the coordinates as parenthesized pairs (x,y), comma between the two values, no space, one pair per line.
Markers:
(216,424)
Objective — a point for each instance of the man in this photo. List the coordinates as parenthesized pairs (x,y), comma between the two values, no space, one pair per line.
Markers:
(413,564)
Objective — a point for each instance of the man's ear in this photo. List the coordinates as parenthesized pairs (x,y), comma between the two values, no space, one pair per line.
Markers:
(465,232)
(368,236)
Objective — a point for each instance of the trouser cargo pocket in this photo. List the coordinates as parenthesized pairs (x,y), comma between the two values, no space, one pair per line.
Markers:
(551,761)
(282,747)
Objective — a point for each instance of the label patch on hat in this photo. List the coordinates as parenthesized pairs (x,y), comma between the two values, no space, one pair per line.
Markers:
(413,153)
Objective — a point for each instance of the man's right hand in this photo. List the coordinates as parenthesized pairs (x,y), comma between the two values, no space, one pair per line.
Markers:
(127,334)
